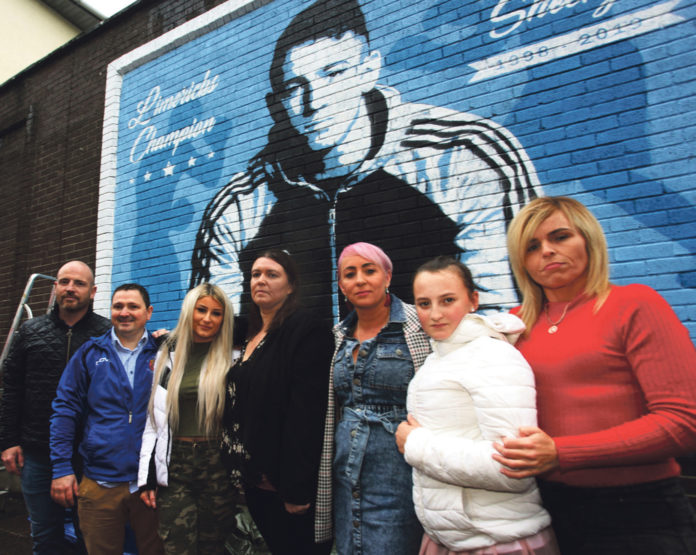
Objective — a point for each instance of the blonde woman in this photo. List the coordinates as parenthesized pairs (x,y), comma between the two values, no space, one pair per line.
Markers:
(180,468)
(616,391)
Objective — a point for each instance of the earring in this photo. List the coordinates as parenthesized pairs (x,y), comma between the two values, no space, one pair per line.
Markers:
(387,297)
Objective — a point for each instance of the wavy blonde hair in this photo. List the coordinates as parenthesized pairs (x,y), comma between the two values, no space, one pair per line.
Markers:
(211,385)
(521,230)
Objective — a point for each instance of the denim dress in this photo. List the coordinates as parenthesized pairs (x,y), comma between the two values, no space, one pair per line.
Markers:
(373,506)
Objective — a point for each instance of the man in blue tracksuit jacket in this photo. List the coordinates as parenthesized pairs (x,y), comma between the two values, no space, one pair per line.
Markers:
(103,397)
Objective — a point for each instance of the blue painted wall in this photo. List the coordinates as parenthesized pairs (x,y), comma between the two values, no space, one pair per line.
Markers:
(599,93)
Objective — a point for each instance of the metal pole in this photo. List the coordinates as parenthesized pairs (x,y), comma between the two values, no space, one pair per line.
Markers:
(18,315)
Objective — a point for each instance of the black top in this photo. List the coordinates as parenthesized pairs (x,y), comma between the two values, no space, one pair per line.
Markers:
(275,408)
(40,350)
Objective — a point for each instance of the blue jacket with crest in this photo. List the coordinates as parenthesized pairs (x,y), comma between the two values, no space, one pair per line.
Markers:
(95,398)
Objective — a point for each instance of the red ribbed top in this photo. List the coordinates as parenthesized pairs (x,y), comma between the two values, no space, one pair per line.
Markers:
(617,389)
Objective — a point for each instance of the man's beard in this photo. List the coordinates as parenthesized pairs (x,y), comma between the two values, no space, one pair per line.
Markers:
(76,307)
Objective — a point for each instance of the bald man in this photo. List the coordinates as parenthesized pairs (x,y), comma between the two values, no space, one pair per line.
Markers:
(40,350)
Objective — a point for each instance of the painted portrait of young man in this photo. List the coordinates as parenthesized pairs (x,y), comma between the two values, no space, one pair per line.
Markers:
(347,160)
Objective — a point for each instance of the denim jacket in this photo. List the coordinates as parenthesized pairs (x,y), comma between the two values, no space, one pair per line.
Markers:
(418,346)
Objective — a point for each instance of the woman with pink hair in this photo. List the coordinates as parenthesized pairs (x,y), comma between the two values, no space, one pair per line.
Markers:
(379,346)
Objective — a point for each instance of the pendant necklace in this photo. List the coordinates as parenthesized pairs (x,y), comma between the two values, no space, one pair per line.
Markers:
(554,325)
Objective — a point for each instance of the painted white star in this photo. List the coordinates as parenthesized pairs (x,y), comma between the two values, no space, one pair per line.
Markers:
(211,154)
(147,176)
(169,169)
(131,181)
(191,162)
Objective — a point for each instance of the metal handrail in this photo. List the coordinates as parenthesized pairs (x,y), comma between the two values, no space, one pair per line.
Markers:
(21,308)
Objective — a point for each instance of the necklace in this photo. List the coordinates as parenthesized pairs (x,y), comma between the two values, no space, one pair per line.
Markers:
(554,325)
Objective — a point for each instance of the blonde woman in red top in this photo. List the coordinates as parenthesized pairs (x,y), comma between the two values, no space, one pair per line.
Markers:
(615,374)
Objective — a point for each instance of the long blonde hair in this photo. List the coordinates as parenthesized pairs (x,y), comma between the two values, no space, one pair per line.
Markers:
(521,230)
(211,385)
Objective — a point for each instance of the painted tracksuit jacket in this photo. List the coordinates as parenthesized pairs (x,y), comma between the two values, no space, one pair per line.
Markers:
(436,181)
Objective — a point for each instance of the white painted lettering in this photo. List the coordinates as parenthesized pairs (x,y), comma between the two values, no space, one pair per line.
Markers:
(147,141)
(145,135)
(556,6)
(515,18)
(506,20)
(144,106)
(187,94)
(603,8)
(605,32)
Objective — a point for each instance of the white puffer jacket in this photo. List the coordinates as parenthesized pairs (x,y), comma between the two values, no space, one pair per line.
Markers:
(157,436)
(474,389)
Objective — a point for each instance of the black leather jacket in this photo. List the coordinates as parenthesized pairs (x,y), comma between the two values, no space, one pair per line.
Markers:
(40,350)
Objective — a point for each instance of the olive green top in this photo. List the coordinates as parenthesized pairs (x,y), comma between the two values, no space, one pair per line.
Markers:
(189,425)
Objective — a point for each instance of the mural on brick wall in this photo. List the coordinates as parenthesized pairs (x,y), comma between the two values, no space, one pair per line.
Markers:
(420,126)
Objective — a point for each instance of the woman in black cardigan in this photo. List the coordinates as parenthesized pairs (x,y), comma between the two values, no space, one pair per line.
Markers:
(275,408)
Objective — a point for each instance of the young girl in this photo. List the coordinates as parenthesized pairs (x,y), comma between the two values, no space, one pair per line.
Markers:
(474,389)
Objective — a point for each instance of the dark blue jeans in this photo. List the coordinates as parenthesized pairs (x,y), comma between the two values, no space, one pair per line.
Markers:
(47,518)
(654,518)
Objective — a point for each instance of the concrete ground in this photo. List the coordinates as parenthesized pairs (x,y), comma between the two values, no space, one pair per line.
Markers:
(15,538)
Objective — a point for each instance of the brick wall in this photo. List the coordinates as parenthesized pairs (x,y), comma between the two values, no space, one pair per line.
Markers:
(595,98)
(609,125)
(50,146)
(596,117)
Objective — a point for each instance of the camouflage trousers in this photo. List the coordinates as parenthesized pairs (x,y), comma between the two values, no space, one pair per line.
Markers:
(197,509)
